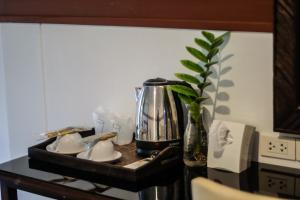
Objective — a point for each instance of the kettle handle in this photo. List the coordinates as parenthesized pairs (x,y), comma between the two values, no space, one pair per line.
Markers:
(137,93)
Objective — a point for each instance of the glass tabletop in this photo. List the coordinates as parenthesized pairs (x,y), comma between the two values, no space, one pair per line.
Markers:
(175,184)
(164,187)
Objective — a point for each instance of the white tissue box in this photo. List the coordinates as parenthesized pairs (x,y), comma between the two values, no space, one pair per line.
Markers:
(229,146)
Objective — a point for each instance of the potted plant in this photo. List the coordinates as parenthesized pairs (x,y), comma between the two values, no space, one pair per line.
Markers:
(192,94)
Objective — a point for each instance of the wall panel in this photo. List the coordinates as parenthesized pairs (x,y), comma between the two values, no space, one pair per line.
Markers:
(246,15)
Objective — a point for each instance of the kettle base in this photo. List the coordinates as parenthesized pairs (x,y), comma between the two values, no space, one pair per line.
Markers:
(146,148)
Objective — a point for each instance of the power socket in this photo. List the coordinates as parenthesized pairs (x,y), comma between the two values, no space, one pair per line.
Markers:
(284,148)
(298,149)
(278,147)
(297,192)
(276,183)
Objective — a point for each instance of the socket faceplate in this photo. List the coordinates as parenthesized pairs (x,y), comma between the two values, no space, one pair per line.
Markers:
(276,183)
(298,149)
(284,148)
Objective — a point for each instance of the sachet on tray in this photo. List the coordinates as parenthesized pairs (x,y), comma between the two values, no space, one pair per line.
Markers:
(63,131)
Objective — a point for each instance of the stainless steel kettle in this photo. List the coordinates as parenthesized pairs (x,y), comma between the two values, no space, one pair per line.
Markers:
(159,117)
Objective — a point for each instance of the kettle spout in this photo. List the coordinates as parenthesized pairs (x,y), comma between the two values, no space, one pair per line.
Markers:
(137,93)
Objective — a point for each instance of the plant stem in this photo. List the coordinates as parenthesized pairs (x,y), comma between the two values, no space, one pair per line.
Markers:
(204,79)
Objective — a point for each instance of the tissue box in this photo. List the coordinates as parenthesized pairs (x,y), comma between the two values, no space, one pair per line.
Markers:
(229,146)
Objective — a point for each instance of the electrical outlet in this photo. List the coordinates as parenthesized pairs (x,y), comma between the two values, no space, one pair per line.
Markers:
(283,148)
(297,192)
(298,149)
(278,147)
(276,183)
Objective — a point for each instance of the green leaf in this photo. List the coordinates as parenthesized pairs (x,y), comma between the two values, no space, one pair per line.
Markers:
(217,42)
(206,74)
(181,89)
(185,99)
(201,99)
(201,86)
(188,78)
(212,53)
(210,64)
(209,36)
(197,54)
(203,44)
(226,34)
(192,66)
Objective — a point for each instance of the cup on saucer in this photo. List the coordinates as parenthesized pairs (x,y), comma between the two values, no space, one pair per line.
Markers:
(103,151)
(67,144)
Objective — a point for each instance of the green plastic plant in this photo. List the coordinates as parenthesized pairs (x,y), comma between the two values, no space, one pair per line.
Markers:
(192,92)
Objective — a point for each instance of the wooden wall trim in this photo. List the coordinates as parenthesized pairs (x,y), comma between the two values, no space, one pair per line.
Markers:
(286,67)
(233,15)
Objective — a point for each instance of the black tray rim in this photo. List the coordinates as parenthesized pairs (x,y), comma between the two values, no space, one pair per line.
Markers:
(167,158)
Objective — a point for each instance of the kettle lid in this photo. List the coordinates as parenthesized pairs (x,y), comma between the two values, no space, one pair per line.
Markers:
(158,82)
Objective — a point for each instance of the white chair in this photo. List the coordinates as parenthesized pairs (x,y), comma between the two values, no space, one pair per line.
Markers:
(205,189)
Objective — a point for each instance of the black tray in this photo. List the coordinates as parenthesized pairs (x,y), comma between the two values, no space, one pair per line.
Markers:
(162,179)
(167,159)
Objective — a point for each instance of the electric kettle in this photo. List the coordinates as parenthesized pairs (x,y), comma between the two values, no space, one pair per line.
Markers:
(159,117)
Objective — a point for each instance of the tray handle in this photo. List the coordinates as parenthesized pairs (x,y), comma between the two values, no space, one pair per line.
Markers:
(166,156)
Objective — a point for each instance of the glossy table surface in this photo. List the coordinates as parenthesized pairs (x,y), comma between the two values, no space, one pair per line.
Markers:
(52,181)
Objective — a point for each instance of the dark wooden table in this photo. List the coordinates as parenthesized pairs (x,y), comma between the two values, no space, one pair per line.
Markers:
(51,181)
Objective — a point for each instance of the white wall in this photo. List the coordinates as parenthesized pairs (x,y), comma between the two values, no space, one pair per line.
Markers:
(24,85)
(56,75)
(86,66)
(4,137)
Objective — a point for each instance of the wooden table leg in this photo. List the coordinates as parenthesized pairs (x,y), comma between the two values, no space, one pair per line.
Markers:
(8,193)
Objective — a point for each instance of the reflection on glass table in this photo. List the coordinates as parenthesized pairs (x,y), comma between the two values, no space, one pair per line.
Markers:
(32,176)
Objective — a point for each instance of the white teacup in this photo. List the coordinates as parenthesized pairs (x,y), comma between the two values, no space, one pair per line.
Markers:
(103,151)
(70,143)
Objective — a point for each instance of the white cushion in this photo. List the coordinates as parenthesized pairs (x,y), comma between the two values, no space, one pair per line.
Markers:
(205,189)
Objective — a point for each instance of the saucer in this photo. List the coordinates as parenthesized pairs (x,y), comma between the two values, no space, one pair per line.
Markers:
(116,155)
(51,149)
